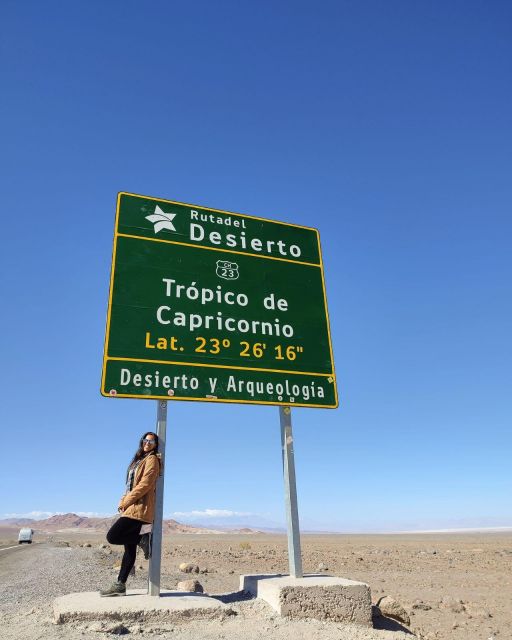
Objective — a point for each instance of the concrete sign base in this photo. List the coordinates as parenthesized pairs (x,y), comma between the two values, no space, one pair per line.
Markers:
(313,596)
(137,606)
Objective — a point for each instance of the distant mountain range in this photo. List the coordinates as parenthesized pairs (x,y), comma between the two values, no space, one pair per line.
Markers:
(67,521)
(73,522)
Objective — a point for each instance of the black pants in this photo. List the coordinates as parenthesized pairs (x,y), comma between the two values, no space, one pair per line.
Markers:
(125,531)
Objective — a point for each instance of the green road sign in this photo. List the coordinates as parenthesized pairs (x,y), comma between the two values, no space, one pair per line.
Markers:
(215,306)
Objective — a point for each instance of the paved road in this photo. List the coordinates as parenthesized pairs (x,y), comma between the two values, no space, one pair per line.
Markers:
(32,574)
(7,549)
(3,547)
(14,559)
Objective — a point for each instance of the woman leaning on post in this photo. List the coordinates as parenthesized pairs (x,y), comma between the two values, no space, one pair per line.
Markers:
(137,508)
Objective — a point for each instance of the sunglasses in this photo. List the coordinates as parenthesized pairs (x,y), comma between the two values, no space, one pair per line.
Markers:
(148,441)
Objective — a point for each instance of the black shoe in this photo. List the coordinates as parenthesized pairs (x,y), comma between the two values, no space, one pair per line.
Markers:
(145,545)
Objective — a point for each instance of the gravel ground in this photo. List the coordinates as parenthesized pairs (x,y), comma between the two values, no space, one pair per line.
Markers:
(31,577)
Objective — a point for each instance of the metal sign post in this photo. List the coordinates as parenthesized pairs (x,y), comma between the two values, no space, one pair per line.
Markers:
(217,306)
(290,493)
(156,552)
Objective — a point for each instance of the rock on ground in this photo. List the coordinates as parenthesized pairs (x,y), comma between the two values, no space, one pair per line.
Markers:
(188,567)
(194,586)
(452,604)
(390,608)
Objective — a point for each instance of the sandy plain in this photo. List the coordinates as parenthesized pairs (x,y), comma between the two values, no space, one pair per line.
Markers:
(452,585)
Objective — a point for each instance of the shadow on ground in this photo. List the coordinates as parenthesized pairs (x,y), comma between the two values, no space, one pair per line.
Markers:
(237,596)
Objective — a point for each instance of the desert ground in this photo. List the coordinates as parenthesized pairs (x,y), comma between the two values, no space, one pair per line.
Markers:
(451,585)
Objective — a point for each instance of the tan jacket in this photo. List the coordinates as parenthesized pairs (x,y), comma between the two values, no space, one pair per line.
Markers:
(139,503)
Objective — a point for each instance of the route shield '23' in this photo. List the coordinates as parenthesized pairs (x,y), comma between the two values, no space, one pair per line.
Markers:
(215,306)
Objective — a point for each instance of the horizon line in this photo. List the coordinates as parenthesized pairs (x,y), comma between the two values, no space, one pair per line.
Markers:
(281,529)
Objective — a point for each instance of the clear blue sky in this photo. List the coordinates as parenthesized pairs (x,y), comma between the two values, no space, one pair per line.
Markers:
(386,125)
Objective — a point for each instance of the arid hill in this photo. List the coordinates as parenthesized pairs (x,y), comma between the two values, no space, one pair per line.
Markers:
(67,521)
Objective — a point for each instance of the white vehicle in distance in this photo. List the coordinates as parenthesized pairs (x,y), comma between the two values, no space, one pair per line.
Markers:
(25,535)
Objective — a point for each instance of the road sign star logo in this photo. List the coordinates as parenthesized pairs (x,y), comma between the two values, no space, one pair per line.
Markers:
(161,220)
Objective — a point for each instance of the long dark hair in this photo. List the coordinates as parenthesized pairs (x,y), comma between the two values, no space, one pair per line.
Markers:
(139,454)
